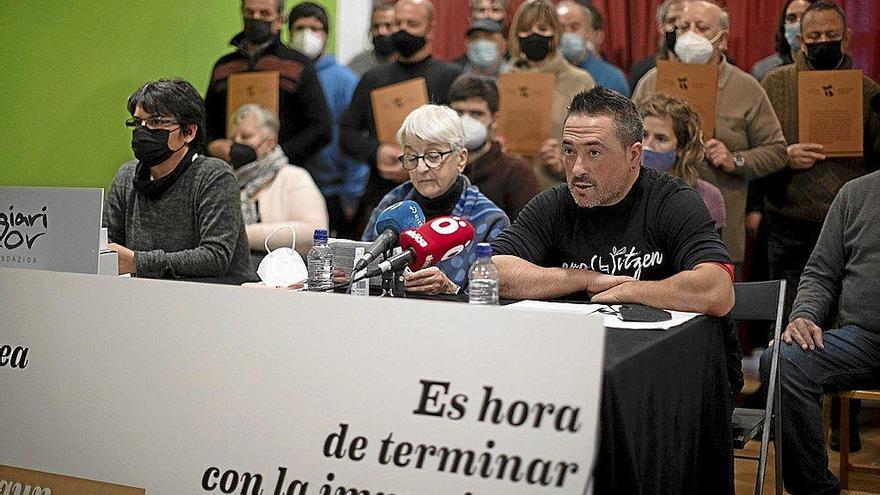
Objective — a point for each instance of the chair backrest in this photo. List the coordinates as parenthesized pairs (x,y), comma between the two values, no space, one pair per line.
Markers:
(759,300)
(764,301)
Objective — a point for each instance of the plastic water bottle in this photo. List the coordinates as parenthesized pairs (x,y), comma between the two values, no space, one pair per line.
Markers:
(320,263)
(483,277)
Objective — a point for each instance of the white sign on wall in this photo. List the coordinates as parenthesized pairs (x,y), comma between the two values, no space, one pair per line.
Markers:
(199,389)
(50,228)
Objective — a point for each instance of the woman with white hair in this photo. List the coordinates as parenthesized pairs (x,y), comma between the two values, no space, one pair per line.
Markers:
(434,154)
(273,192)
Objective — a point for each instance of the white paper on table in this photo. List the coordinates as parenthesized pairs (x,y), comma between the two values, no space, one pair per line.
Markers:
(556,307)
(678,317)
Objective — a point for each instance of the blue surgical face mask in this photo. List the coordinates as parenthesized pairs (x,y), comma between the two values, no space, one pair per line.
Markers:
(659,160)
(483,53)
(792,29)
(573,48)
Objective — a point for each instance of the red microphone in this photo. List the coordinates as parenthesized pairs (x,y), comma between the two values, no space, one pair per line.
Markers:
(438,239)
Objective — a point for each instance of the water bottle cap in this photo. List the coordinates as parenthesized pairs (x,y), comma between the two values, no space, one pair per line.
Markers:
(484,250)
(320,234)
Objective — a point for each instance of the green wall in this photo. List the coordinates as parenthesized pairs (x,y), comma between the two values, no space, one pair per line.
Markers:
(69,66)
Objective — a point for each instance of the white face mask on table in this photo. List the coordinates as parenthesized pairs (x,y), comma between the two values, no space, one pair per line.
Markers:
(282,267)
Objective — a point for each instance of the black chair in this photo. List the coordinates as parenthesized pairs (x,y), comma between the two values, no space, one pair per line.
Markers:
(761,301)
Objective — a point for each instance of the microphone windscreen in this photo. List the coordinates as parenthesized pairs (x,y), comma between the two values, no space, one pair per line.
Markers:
(400,216)
(439,239)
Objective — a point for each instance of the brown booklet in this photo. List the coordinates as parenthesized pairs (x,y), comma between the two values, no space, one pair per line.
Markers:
(49,483)
(260,88)
(831,111)
(391,105)
(526,110)
(697,84)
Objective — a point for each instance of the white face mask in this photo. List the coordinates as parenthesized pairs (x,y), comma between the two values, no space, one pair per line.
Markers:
(310,43)
(282,267)
(476,133)
(691,48)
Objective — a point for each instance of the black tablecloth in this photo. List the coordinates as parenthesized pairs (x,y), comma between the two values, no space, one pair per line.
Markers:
(665,412)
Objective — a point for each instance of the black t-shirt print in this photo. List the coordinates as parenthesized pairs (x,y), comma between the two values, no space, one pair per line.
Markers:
(661,228)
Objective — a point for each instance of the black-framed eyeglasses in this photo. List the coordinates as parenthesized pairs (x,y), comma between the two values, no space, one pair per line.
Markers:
(432,159)
(151,122)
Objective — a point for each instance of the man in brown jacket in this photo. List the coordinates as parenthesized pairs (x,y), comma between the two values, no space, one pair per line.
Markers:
(505,179)
(799,196)
(748,141)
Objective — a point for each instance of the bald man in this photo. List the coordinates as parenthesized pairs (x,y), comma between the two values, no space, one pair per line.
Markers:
(748,141)
(413,41)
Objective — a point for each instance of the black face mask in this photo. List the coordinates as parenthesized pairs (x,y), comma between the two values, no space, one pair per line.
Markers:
(825,55)
(671,37)
(241,154)
(257,32)
(383,46)
(150,146)
(407,44)
(535,46)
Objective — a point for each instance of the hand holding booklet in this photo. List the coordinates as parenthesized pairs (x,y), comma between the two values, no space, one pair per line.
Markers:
(831,111)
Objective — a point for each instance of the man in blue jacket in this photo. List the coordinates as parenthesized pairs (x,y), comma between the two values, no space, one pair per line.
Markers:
(340,178)
(581,41)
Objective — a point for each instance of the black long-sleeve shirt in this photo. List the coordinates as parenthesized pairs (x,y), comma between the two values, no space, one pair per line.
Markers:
(358,137)
(306,123)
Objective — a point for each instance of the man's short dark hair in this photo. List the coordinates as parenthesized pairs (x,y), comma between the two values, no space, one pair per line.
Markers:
(601,101)
(176,98)
(308,9)
(824,6)
(472,86)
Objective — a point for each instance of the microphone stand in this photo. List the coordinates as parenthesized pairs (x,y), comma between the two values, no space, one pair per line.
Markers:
(392,282)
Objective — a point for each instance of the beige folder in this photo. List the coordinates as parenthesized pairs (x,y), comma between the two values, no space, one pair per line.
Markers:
(526,110)
(260,88)
(831,111)
(391,105)
(697,84)
(55,483)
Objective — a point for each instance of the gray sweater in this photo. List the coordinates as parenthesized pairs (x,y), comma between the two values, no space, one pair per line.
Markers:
(846,260)
(193,230)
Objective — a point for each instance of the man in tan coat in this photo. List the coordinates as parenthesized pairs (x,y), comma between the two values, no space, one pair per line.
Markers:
(799,196)
(748,141)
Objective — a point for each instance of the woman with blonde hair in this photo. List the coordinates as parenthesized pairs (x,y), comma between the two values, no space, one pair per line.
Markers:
(673,144)
(534,47)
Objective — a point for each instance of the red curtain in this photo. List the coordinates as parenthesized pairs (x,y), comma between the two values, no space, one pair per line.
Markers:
(631,32)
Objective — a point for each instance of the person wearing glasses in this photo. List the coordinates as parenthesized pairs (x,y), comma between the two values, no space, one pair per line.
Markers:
(306,123)
(434,155)
(173,212)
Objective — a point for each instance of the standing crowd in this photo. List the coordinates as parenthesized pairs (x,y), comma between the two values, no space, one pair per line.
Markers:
(626,201)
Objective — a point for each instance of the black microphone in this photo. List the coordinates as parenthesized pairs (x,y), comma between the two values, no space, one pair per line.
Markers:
(393,264)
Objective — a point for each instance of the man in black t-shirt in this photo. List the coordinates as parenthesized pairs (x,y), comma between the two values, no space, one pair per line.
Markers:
(616,230)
